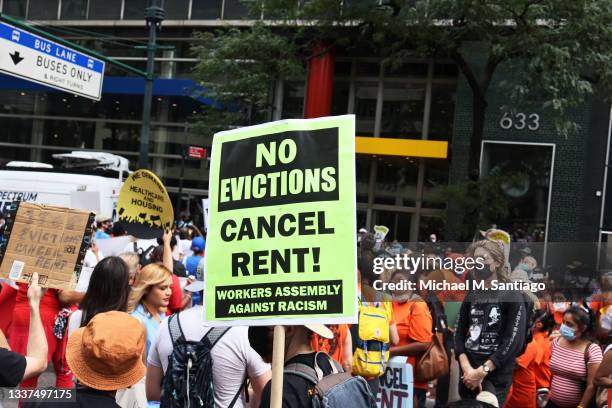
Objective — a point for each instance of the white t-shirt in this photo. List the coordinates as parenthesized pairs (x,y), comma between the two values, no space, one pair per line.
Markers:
(74,321)
(186,251)
(232,355)
(90,259)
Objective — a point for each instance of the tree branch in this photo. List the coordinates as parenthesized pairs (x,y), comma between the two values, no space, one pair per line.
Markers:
(466,71)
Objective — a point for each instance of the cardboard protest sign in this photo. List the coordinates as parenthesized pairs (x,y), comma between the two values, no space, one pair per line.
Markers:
(281,245)
(49,240)
(396,385)
(144,206)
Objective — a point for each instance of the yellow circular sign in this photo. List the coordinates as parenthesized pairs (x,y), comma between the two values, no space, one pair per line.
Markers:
(144,206)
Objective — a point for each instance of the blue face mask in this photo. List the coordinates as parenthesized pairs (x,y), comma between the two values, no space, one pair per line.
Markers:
(567,333)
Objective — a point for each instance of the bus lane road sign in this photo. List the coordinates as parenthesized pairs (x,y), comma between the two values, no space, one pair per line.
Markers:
(34,58)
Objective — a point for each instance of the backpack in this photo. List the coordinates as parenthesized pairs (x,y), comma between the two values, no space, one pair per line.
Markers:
(188,381)
(335,390)
(529,321)
(372,351)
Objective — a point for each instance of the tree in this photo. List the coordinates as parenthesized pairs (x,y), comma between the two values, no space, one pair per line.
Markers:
(560,47)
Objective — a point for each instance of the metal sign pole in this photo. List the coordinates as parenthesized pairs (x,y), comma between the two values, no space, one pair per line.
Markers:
(154,17)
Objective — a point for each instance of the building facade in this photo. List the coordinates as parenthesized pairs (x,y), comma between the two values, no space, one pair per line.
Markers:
(557,196)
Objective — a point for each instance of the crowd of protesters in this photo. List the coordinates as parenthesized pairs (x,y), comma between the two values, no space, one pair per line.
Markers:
(123,341)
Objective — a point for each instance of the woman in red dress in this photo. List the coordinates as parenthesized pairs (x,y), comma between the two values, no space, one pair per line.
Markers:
(50,305)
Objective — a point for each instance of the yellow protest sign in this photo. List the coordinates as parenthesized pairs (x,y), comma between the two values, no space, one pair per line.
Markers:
(144,206)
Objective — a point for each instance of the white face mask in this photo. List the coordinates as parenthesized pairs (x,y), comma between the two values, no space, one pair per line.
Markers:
(559,306)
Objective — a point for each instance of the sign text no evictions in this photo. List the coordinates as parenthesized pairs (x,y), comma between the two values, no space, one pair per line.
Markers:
(282,223)
(268,170)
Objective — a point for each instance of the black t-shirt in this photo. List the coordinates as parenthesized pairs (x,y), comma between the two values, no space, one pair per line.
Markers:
(491,326)
(85,397)
(12,368)
(295,388)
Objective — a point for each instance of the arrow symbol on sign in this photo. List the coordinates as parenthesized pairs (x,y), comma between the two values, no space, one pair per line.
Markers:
(16,57)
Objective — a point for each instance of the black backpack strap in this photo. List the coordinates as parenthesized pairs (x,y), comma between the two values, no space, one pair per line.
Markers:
(174,326)
(246,391)
(136,248)
(214,335)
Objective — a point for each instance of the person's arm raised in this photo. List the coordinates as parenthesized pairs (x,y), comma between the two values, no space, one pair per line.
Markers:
(37,354)
(168,261)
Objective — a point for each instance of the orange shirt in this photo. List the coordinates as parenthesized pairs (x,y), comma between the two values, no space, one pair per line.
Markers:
(600,302)
(334,347)
(542,361)
(523,391)
(444,296)
(414,322)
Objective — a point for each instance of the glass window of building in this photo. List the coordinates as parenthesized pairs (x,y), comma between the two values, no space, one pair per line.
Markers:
(118,136)
(445,70)
(69,133)
(397,222)
(64,104)
(403,110)
(409,70)
(442,117)
(206,9)
(293,100)
(15,8)
(13,131)
(435,182)
(73,9)
(236,9)
(340,97)
(17,102)
(396,181)
(431,225)
(362,175)
(176,9)
(342,69)
(369,69)
(42,9)
(106,10)
(134,9)
(365,107)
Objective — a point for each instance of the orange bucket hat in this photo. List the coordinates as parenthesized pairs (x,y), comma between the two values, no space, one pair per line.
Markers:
(107,354)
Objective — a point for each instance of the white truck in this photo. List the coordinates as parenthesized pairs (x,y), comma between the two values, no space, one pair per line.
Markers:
(86,180)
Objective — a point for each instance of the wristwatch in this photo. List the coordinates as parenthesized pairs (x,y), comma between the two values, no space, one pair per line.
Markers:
(486,369)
